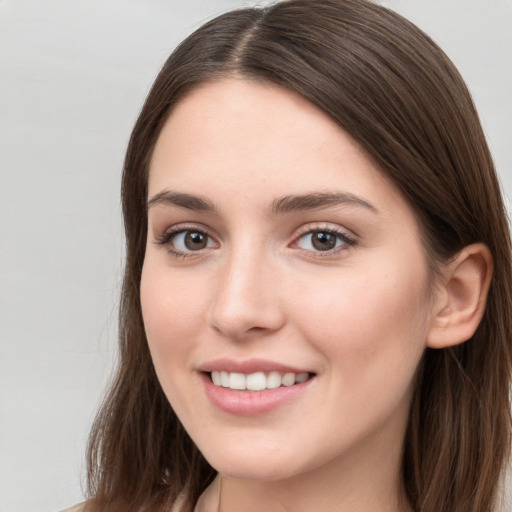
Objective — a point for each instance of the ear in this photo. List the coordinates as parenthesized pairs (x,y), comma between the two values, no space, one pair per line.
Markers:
(461,297)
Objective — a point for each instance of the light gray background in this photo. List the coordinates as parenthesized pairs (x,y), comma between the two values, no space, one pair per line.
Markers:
(73,75)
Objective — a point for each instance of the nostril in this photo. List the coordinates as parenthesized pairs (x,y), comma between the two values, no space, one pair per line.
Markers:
(245,307)
(256,329)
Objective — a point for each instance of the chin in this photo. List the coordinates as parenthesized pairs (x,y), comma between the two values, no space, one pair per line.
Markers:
(256,464)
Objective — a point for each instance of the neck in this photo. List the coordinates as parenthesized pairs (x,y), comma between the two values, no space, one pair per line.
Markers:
(345,494)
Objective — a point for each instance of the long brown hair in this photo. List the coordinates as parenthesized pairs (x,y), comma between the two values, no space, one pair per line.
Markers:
(396,93)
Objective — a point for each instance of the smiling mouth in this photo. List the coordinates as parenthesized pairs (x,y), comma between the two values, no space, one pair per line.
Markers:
(257,381)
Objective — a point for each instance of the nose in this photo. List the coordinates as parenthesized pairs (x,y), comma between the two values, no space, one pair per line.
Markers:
(247,303)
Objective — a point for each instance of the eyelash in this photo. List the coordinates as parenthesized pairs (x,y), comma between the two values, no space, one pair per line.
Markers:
(165,239)
(347,241)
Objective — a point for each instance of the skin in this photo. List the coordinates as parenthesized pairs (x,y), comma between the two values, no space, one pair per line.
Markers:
(358,316)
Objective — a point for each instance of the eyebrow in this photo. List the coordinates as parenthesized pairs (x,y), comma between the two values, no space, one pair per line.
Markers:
(189,201)
(319,200)
(286,204)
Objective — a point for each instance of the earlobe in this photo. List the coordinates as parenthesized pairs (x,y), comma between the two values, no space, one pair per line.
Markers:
(461,297)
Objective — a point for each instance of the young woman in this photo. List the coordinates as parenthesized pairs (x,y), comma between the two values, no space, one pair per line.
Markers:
(316,305)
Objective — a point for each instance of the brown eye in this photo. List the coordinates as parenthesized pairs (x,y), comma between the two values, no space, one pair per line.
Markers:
(323,241)
(188,240)
(195,241)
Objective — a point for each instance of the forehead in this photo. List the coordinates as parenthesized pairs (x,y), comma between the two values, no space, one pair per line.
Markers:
(237,137)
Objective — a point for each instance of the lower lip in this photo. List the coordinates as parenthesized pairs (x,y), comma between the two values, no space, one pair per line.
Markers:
(251,403)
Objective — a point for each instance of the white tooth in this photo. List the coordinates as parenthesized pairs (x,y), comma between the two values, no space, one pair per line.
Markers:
(301,377)
(256,381)
(273,380)
(216,378)
(236,380)
(288,379)
(224,379)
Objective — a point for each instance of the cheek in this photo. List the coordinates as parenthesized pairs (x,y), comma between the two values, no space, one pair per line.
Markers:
(171,312)
(370,328)
(171,309)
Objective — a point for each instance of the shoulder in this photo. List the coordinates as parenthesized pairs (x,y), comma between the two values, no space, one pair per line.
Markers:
(77,508)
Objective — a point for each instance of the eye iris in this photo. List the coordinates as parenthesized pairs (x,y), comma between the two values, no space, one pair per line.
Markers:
(323,241)
(195,241)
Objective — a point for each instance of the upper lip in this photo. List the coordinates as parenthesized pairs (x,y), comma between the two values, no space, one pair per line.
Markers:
(248,366)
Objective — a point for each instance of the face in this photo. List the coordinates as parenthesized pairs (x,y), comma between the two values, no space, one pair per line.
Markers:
(285,291)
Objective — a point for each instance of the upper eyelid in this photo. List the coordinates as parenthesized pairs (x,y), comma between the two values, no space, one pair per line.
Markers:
(350,240)
(324,226)
(185,226)
(165,237)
